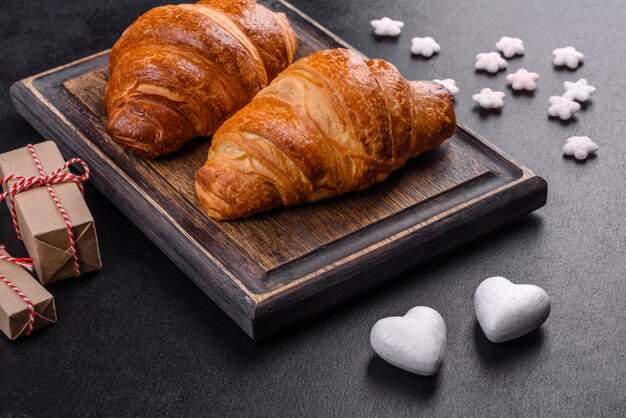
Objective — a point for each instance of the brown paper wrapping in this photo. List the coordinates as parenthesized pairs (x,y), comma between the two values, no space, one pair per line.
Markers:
(43,230)
(14,310)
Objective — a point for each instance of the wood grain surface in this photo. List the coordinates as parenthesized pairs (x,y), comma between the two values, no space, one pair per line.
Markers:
(272,270)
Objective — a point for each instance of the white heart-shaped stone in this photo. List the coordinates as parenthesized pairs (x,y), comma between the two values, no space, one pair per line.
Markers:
(506,310)
(415,342)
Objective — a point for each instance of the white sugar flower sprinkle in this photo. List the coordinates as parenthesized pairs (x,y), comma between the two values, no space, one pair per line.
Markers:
(568,56)
(522,80)
(562,107)
(489,99)
(448,83)
(490,61)
(580,147)
(510,46)
(579,91)
(387,27)
(424,46)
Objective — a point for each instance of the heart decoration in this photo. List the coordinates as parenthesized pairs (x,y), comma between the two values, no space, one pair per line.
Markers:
(415,342)
(506,310)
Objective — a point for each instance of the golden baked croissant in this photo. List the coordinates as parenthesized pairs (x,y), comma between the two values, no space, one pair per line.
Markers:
(331,123)
(180,71)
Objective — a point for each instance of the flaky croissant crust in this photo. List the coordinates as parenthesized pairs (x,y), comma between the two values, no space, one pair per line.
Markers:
(179,71)
(331,123)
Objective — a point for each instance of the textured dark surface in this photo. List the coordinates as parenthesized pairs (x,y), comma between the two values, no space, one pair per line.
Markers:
(139,338)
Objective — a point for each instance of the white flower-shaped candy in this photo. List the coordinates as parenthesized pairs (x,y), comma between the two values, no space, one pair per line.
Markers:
(580,147)
(562,107)
(522,80)
(424,46)
(387,27)
(568,56)
(448,83)
(489,99)
(510,46)
(579,91)
(490,61)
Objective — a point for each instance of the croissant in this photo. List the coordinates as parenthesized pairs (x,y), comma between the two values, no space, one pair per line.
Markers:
(329,124)
(180,71)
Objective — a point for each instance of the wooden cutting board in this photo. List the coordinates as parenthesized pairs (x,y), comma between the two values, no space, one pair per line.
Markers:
(281,267)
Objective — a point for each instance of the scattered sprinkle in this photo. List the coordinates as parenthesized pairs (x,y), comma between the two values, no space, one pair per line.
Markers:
(580,91)
(510,46)
(448,83)
(568,56)
(424,46)
(580,147)
(387,26)
(522,80)
(562,107)
(490,61)
(489,99)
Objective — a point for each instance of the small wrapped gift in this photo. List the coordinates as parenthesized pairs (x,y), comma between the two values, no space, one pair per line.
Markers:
(24,304)
(48,210)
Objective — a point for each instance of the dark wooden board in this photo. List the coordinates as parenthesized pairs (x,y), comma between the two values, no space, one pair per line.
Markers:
(278,268)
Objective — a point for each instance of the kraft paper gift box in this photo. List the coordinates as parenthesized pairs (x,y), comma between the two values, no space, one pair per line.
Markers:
(43,229)
(14,310)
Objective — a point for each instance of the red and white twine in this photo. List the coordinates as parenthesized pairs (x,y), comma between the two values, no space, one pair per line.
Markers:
(24,262)
(27,263)
(60,175)
(31,307)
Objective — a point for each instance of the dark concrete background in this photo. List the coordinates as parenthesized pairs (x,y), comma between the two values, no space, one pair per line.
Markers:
(139,338)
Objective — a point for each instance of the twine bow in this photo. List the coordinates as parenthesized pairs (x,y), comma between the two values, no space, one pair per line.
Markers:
(60,175)
(26,263)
